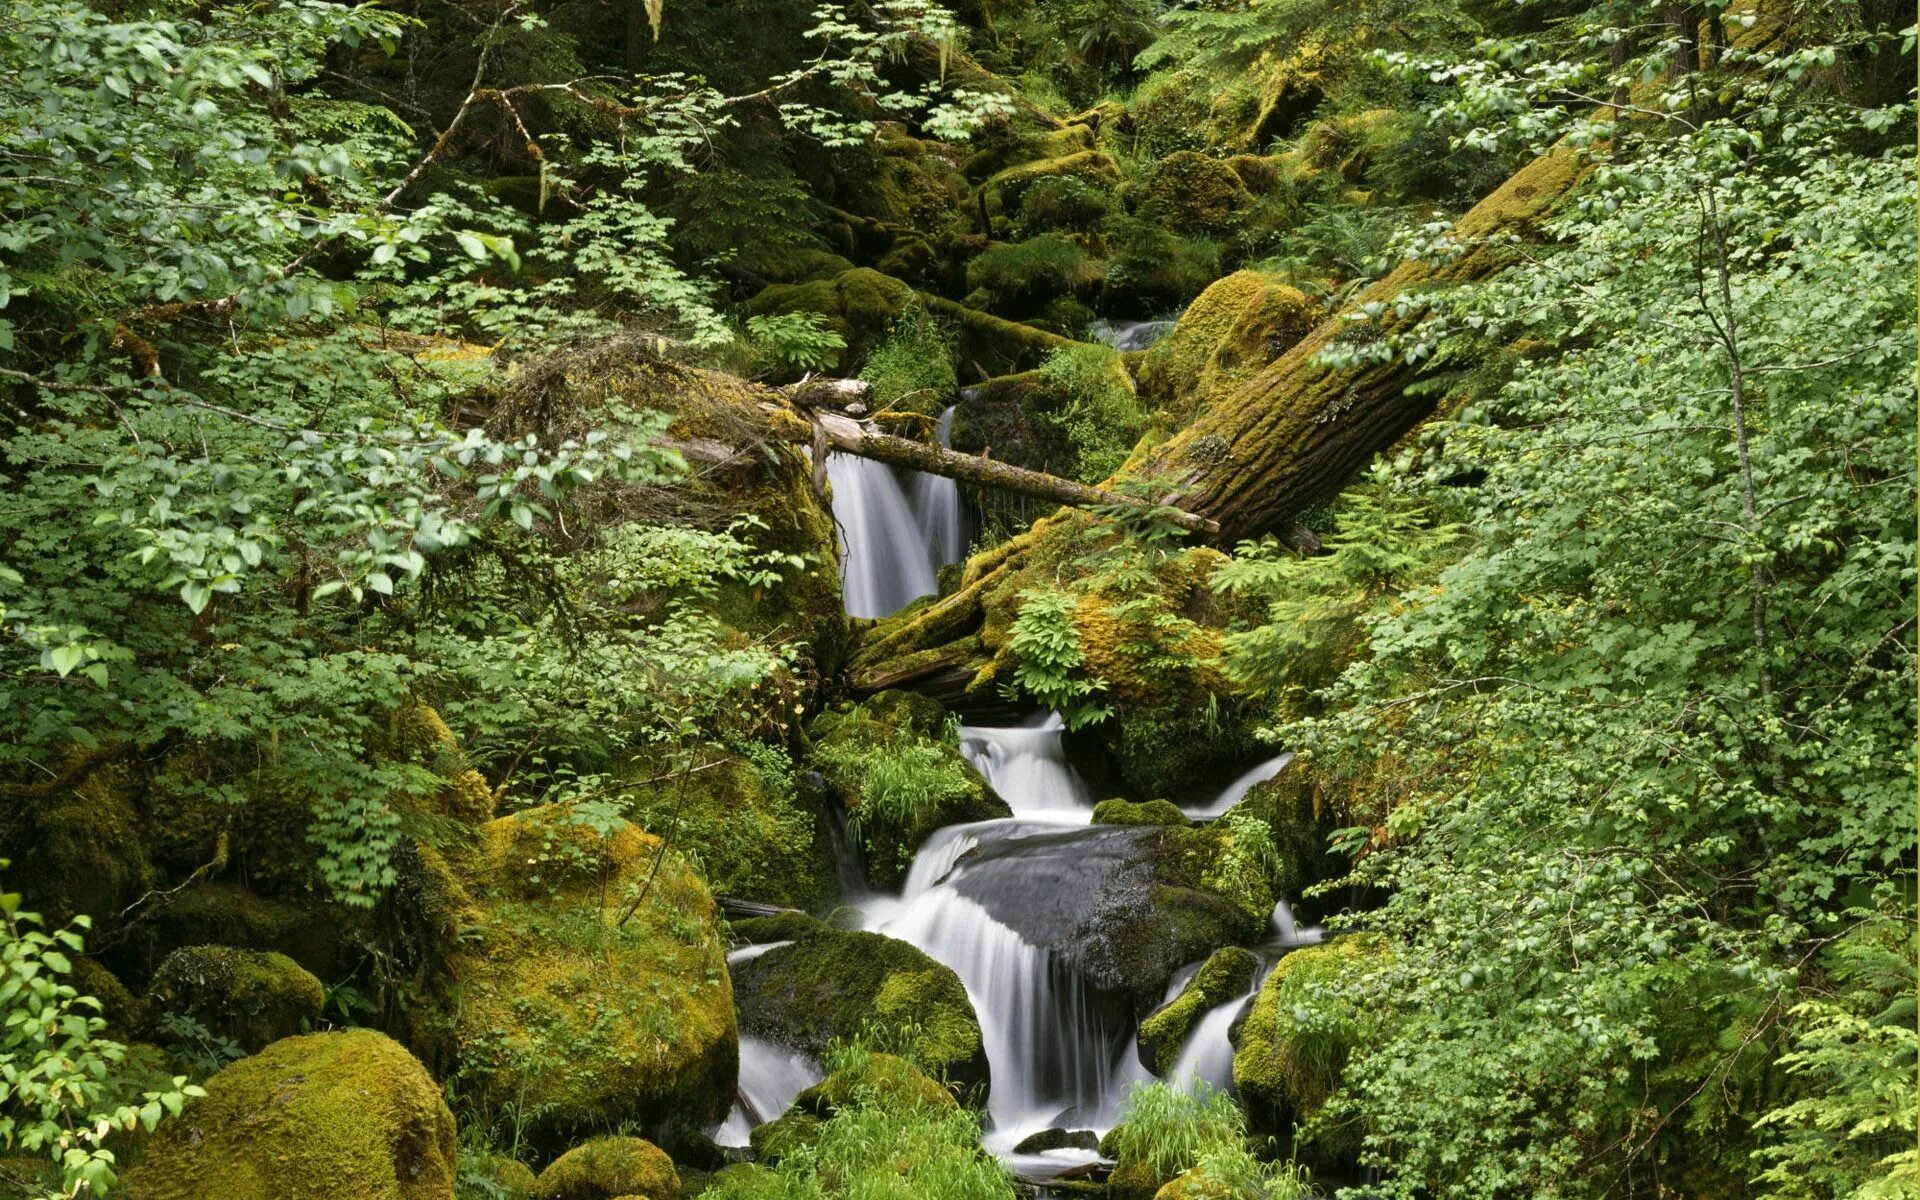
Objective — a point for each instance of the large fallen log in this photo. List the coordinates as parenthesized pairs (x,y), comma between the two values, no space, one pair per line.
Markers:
(1290,437)
(842,433)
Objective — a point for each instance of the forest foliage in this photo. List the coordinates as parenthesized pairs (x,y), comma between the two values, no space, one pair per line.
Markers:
(1606,673)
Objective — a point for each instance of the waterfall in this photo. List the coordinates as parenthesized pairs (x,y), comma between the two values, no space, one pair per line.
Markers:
(1207,1056)
(1238,789)
(937,509)
(770,1077)
(1028,767)
(1126,336)
(1287,932)
(883,559)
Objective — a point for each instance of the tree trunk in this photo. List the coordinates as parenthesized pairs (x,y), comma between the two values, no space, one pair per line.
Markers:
(1290,437)
(846,434)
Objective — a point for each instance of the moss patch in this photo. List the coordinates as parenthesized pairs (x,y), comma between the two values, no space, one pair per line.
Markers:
(329,1116)
(745,823)
(1226,973)
(1144,812)
(1292,1052)
(579,1002)
(830,984)
(1239,324)
(253,997)
(609,1167)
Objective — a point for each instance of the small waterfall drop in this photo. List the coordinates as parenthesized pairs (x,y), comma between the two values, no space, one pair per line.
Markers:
(937,507)
(883,559)
(1207,1056)
(1287,932)
(1028,767)
(771,1077)
(1237,791)
(1126,336)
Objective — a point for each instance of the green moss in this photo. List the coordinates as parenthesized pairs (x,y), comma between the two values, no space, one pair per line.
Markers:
(780,927)
(1239,324)
(228,914)
(1007,188)
(253,997)
(577,1001)
(1191,193)
(1296,1041)
(860,305)
(609,1167)
(1226,973)
(329,1116)
(743,820)
(513,1180)
(1144,812)
(1032,271)
(88,849)
(897,781)
(833,985)
(1159,267)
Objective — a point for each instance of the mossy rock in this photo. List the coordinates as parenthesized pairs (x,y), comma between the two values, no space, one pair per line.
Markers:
(772,485)
(579,1002)
(828,984)
(883,1079)
(609,1167)
(512,1179)
(83,852)
(1006,189)
(1191,193)
(417,732)
(1291,1053)
(860,305)
(845,742)
(1238,325)
(1196,1184)
(800,265)
(231,915)
(1302,821)
(751,831)
(251,996)
(1143,812)
(119,1007)
(328,1116)
(1227,973)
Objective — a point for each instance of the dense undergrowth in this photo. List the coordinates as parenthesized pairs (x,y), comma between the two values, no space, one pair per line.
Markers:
(411,625)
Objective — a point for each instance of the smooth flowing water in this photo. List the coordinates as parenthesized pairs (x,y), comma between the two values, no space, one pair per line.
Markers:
(1130,335)
(1007,904)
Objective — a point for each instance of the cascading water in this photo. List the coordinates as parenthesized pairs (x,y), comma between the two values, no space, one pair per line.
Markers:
(883,559)
(770,1078)
(1129,335)
(894,535)
(1237,791)
(937,507)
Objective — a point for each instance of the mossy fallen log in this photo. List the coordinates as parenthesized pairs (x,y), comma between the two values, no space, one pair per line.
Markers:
(1256,457)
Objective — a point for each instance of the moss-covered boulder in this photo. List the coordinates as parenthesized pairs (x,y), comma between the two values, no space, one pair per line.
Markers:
(1238,325)
(746,820)
(892,764)
(1227,973)
(231,915)
(90,853)
(1141,812)
(885,1079)
(1301,820)
(328,1116)
(609,1167)
(510,1178)
(592,988)
(1295,1042)
(859,305)
(1189,192)
(250,996)
(1003,192)
(830,984)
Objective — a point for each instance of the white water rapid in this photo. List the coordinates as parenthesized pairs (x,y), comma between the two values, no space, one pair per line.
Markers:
(1129,335)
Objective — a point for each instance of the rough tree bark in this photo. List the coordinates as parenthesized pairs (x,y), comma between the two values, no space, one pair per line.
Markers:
(1292,436)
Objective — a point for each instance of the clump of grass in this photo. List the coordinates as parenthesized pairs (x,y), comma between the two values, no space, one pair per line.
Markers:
(1169,1128)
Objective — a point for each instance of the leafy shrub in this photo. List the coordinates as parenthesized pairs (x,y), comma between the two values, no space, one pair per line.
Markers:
(1086,398)
(1049,661)
(1050,264)
(800,340)
(913,368)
